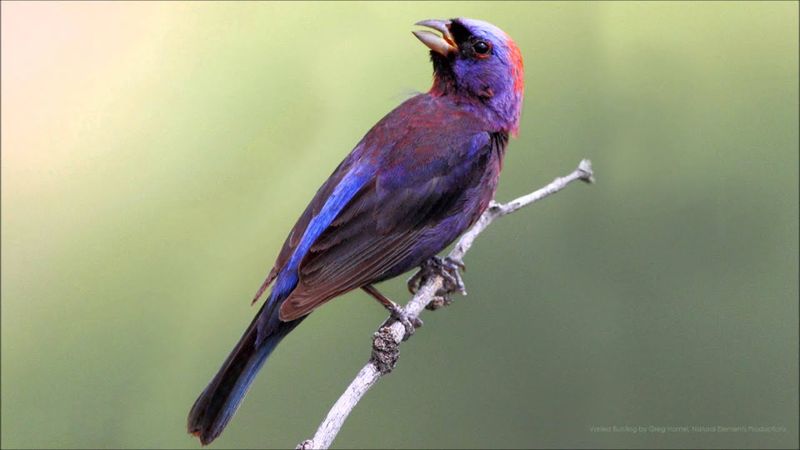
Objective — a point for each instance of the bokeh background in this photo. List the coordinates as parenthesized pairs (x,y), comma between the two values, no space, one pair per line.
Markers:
(155,155)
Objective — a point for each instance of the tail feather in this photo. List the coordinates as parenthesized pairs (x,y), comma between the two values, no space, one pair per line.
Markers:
(219,401)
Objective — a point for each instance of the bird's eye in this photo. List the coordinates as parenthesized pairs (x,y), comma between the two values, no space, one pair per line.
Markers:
(481,47)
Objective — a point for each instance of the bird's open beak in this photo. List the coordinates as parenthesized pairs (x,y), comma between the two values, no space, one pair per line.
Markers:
(443,44)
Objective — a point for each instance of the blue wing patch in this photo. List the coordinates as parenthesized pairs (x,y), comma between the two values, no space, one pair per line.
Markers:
(347,188)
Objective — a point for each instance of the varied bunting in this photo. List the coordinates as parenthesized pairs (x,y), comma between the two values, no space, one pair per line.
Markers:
(418,179)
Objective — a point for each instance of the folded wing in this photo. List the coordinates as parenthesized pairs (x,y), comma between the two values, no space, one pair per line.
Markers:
(380,228)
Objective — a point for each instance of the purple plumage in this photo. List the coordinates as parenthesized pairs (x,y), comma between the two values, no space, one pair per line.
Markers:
(418,179)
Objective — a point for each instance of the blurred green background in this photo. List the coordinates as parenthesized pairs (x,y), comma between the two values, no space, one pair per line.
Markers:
(155,155)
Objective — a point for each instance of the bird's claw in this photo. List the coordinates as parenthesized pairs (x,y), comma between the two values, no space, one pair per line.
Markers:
(439,301)
(410,323)
(450,271)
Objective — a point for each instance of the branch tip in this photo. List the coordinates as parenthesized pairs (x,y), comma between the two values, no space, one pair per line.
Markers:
(587,174)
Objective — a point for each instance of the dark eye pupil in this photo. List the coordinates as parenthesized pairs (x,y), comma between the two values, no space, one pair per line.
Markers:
(481,47)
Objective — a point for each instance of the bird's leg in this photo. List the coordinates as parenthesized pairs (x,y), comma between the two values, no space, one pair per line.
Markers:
(397,313)
(448,268)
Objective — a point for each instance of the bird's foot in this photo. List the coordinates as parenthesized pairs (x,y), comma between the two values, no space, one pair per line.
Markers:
(450,271)
(439,301)
(397,314)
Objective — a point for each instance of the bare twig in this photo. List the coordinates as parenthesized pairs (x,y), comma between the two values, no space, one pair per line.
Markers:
(386,341)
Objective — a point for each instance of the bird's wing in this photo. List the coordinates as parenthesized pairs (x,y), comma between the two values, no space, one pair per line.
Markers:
(420,182)
(417,118)
(345,181)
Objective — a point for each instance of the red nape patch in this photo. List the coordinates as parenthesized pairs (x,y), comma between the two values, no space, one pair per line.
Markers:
(516,61)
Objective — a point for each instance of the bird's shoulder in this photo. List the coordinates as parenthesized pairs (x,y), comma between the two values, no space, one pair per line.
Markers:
(426,113)
(424,130)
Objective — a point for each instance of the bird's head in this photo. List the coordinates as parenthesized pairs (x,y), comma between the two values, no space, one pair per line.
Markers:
(479,62)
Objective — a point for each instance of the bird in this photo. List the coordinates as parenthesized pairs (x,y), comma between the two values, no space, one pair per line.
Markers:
(416,181)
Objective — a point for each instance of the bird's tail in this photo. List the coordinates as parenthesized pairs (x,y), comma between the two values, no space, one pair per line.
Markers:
(221,398)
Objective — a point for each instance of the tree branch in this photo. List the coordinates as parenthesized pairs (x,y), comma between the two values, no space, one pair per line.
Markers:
(386,341)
